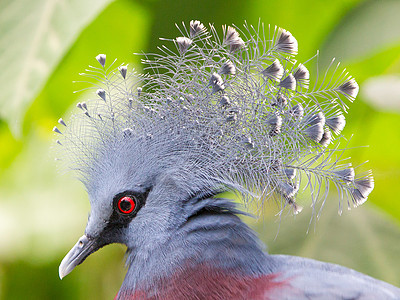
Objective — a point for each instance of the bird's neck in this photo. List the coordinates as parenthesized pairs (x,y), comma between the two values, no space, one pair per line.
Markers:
(212,241)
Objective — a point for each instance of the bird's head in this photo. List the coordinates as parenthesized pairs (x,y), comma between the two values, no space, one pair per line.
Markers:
(136,198)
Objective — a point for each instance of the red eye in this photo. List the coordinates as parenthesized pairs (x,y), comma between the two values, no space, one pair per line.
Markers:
(126,205)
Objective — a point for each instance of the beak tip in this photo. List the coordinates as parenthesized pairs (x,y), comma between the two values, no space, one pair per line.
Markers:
(75,256)
(62,270)
(66,266)
(60,274)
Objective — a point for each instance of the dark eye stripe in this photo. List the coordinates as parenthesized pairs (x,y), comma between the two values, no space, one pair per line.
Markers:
(125,207)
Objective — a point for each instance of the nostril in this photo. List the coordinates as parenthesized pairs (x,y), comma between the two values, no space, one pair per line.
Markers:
(82,241)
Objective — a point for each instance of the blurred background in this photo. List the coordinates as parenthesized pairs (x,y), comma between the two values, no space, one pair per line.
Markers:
(45,44)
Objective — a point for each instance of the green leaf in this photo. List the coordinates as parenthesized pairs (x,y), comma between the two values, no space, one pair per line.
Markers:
(35,36)
(119,31)
(32,177)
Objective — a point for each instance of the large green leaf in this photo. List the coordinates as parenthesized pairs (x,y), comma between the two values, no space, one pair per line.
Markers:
(34,37)
(119,31)
(31,178)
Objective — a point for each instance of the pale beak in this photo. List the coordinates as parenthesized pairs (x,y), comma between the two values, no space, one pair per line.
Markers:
(83,248)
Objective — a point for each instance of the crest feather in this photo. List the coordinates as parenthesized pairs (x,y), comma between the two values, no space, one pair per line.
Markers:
(230,111)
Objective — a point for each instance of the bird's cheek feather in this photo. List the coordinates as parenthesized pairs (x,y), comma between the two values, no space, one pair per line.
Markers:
(82,249)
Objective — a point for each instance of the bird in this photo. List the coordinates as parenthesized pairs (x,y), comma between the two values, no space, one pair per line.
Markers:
(212,117)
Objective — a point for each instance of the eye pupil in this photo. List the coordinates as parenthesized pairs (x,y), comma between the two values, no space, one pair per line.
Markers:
(126,205)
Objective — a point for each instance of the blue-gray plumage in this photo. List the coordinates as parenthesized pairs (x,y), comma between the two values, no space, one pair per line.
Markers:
(154,152)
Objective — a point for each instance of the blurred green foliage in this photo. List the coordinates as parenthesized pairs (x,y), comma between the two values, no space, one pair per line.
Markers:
(44,44)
